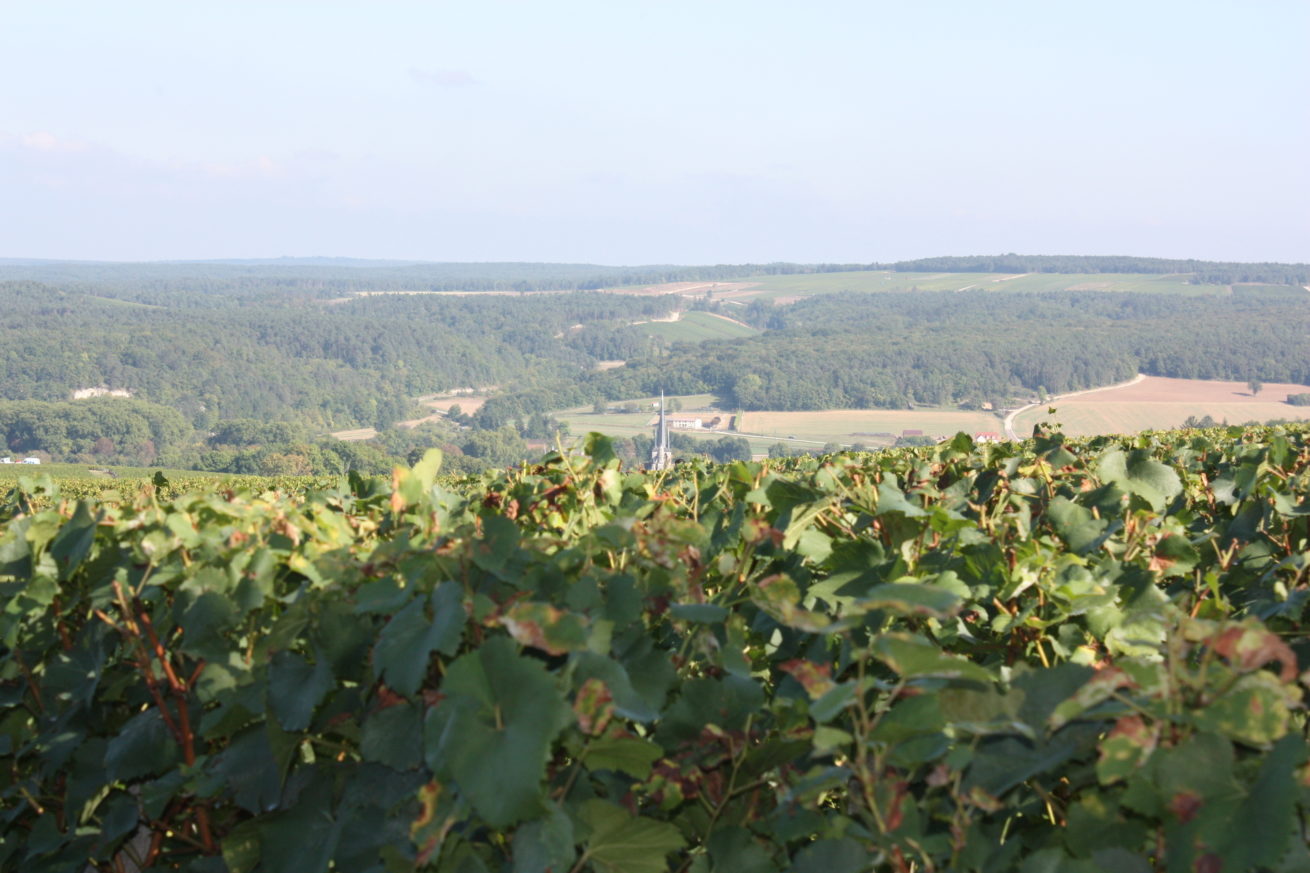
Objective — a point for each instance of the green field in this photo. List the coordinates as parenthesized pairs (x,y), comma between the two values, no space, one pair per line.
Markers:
(775,287)
(696,327)
(582,420)
(797,430)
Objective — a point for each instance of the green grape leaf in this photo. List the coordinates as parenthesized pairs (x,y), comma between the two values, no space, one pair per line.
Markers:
(394,736)
(545,844)
(735,850)
(914,657)
(912,598)
(843,855)
(1076,525)
(492,732)
(142,747)
(629,755)
(406,644)
(620,843)
(1137,473)
(296,688)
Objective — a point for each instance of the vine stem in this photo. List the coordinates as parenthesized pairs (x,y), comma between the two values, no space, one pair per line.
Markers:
(582,859)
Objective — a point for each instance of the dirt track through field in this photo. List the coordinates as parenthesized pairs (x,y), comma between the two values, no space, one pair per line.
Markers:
(1156,402)
(1009,419)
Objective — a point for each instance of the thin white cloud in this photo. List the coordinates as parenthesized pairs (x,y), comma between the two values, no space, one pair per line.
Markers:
(443,78)
(45,141)
(261,167)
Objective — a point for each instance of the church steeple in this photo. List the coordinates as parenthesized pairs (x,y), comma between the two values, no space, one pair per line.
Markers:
(660,456)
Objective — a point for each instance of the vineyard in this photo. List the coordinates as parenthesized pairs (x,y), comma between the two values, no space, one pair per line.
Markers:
(1051,657)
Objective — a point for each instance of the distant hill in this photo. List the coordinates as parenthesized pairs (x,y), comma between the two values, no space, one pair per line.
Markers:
(335,273)
(1207,272)
(290,261)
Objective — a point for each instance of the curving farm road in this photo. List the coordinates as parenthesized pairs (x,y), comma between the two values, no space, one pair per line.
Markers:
(1009,419)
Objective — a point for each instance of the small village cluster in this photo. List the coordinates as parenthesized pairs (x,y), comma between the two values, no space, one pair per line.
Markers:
(9,460)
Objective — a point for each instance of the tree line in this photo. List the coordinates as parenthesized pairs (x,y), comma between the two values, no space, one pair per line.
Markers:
(162,283)
(1202,272)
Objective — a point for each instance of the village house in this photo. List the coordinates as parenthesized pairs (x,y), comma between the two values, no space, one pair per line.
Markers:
(692,422)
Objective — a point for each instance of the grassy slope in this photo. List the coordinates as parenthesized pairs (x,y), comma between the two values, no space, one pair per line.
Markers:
(695,327)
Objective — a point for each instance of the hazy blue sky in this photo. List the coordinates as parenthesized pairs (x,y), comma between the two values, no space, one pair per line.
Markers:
(650,132)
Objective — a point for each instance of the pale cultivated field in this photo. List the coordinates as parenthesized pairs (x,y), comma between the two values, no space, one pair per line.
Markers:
(467,403)
(1157,403)
(848,426)
(798,430)
(357,435)
(581,420)
(686,289)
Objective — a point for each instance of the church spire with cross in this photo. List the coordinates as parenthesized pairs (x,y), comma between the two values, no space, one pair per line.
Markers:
(660,456)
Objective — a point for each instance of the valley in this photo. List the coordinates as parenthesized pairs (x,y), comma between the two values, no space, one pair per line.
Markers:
(235,368)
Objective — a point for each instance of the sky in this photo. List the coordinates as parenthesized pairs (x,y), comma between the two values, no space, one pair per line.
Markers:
(641,132)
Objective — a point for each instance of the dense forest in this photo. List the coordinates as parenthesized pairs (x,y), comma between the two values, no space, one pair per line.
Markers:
(328,366)
(892,350)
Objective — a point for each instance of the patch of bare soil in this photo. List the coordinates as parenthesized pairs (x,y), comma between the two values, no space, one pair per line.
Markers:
(728,318)
(1159,389)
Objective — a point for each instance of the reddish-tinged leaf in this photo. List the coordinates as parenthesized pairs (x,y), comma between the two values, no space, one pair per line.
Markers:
(544,627)
(780,598)
(816,679)
(594,707)
(1098,689)
(1250,647)
(1127,747)
(1185,805)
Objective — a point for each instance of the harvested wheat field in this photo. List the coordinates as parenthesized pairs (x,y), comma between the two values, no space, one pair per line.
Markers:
(847,426)
(1157,403)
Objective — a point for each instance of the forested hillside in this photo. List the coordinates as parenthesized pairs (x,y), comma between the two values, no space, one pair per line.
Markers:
(860,350)
(276,357)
